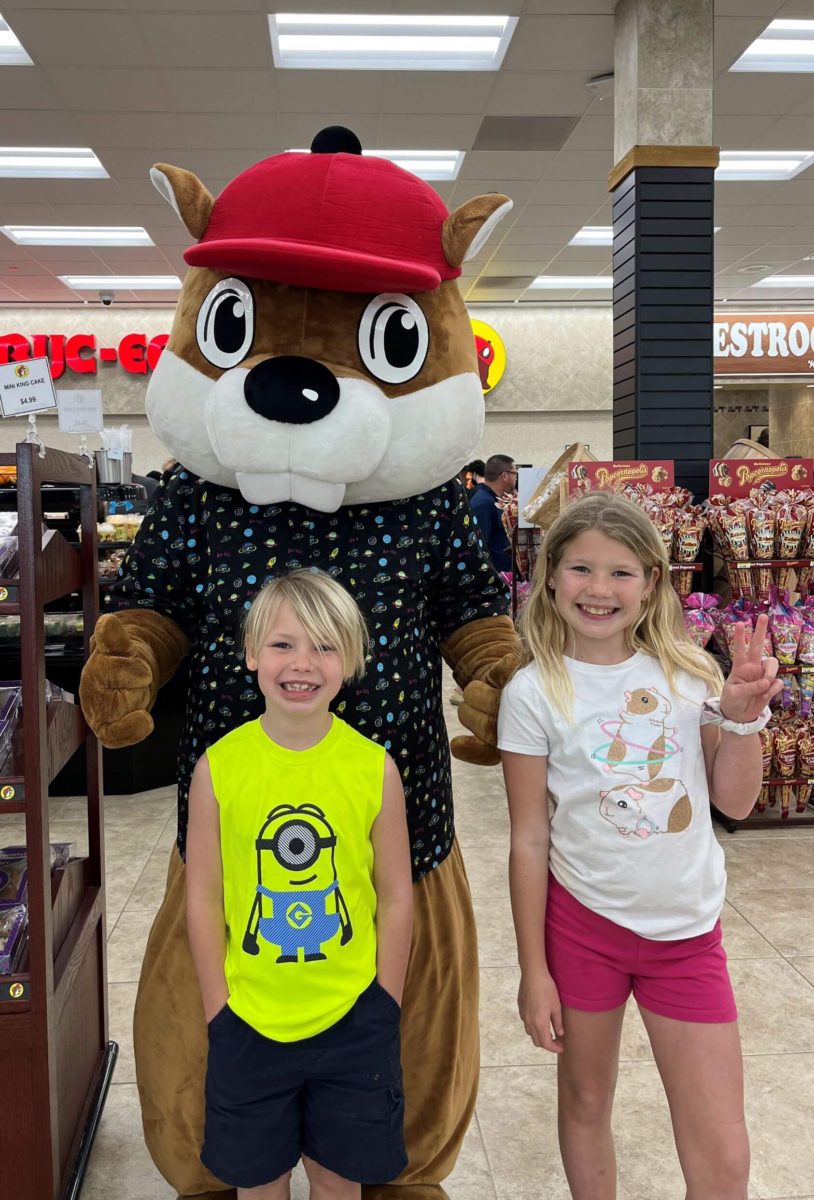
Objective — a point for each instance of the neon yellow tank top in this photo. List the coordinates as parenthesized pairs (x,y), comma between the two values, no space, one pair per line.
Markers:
(298,889)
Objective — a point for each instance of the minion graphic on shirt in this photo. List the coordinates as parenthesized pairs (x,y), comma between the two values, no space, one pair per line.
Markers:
(298,905)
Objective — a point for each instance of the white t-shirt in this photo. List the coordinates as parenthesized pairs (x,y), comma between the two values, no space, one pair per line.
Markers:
(631,832)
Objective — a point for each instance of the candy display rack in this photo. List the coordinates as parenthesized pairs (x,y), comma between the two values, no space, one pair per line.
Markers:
(54,1047)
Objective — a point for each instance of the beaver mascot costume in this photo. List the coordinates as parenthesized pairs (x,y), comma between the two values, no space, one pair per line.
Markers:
(320,392)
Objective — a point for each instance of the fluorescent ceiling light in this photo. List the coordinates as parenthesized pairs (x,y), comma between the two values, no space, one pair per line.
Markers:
(593,235)
(42,162)
(569,282)
(598,235)
(372,42)
(12,53)
(126,283)
(77,235)
(783,46)
(428,164)
(762,164)
(785,281)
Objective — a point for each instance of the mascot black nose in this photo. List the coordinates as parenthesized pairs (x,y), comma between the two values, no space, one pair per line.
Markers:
(291,389)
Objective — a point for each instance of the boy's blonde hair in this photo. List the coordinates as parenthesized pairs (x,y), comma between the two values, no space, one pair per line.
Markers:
(325,610)
(658,630)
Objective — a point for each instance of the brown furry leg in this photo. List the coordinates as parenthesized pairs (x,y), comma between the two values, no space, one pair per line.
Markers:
(439,1033)
(171,1046)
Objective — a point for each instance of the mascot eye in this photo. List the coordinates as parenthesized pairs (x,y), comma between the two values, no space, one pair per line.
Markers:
(225,327)
(393,338)
(296,845)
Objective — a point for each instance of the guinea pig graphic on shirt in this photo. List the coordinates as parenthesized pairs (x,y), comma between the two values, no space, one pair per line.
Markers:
(641,742)
(644,809)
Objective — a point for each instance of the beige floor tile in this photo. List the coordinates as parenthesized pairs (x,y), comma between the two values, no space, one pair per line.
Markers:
(120,1166)
(805,966)
(782,916)
(125,946)
(775,1007)
(472,1178)
(168,834)
(151,884)
(121,998)
(754,866)
(517,1110)
(496,944)
(741,940)
(504,1041)
(778,1106)
(487,865)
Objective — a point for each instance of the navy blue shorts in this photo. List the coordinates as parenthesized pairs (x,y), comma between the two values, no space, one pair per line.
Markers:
(336,1097)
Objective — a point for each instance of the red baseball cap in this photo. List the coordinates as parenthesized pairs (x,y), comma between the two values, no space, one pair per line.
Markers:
(328,219)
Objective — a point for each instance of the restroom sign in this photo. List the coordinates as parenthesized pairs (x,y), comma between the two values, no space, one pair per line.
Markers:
(26,388)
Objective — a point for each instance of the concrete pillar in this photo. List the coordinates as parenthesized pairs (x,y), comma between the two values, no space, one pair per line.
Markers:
(662,188)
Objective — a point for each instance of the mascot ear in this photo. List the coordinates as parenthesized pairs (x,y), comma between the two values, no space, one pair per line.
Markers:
(187,195)
(465,230)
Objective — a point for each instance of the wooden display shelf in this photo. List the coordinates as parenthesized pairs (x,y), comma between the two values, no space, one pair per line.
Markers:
(53,1010)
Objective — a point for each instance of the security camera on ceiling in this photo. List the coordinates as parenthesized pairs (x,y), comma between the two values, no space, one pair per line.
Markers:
(107,298)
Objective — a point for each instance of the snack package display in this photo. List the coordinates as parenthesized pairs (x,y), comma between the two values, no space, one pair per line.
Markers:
(700,616)
(13,921)
(785,627)
(784,746)
(766,749)
(13,878)
(761,538)
(10,700)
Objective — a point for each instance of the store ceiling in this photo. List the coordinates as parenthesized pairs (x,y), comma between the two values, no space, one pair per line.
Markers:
(191,82)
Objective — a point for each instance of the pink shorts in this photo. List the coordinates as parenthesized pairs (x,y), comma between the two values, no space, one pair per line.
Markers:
(596,964)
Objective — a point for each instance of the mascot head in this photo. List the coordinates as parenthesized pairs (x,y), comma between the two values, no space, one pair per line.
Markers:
(321,351)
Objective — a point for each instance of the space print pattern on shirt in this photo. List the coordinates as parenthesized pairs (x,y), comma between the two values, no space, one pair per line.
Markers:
(418,569)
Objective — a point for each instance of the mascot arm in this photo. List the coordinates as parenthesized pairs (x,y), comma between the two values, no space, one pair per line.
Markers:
(133,652)
(483,656)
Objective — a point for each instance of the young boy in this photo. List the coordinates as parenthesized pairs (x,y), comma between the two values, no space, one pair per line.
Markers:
(299,907)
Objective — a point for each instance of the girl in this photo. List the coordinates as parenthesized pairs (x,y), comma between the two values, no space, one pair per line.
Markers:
(622,725)
(299,907)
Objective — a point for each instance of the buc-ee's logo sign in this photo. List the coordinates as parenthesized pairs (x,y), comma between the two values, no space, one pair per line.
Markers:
(79,352)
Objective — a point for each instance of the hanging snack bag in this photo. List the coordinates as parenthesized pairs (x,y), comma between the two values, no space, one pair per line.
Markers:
(699,617)
(785,626)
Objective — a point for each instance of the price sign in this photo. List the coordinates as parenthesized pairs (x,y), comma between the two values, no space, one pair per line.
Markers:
(26,388)
(80,412)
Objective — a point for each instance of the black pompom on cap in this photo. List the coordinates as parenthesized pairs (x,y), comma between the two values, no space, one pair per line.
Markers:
(336,139)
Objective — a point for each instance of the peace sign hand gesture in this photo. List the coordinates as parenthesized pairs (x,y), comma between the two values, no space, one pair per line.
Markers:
(752,680)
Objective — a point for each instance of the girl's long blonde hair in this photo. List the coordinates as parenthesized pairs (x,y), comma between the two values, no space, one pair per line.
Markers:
(658,630)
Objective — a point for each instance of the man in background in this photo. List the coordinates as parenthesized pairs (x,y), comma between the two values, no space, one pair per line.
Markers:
(500,479)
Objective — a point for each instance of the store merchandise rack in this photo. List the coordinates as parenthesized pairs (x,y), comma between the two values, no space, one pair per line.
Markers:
(57,1059)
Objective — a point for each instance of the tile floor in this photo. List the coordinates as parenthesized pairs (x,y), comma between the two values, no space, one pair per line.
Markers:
(511,1149)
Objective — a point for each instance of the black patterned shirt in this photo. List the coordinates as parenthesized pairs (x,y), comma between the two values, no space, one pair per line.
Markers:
(418,568)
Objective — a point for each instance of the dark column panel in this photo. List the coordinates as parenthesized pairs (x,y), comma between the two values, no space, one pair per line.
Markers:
(662,318)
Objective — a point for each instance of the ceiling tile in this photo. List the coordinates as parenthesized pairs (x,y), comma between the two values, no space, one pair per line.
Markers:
(77,191)
(581,164)
(26,87)
(40,127)
(506,164)
(763,214)
(562,43)
(734,235)
(578,258)
(213,91)
(790,132)
(518,190)
(323,91)
(297,130)
(592,133)
(570,191)
(741,133)
(501,268)
(458,93)
(130,130)
(136,163)
(572,216)
(744,193)
(236,130)
(208,40)
(552,94)
(100,89)
(571,7)
(399,131)
(524,133)
(77,37)
(756,94)
(537,235)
